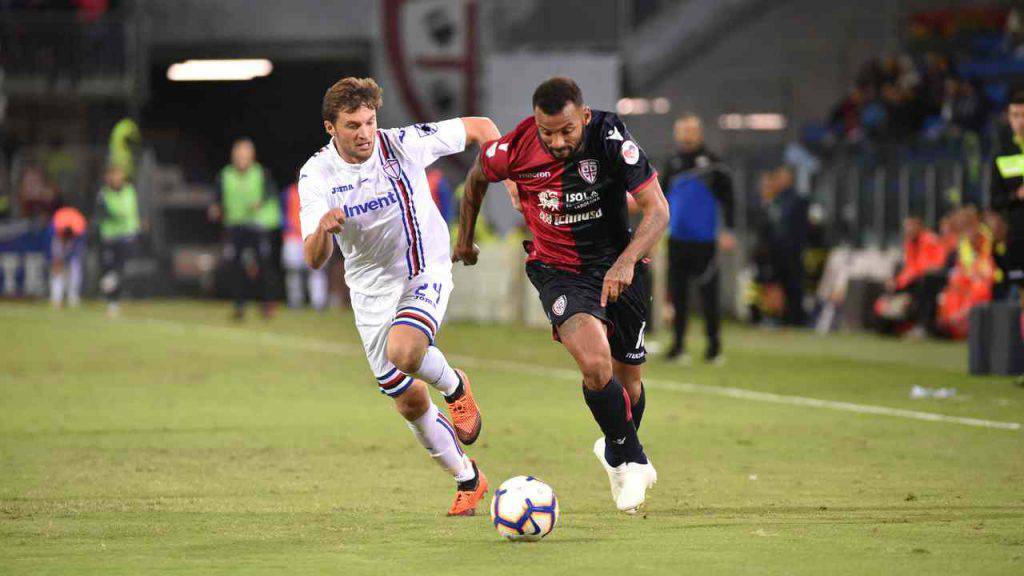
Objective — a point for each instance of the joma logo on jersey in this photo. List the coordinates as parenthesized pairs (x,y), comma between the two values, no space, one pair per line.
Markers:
(340,189)
(370,205)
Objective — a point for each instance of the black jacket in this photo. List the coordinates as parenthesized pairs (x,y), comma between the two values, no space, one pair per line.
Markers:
(1007,177)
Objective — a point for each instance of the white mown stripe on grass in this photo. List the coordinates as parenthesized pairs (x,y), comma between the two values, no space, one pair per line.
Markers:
(746,394)
(308,344)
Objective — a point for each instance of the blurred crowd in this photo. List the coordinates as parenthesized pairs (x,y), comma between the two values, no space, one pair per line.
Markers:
(895,99)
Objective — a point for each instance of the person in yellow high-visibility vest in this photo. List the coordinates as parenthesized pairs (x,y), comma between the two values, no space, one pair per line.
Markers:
(1007,196)
(117,213)
(248,208)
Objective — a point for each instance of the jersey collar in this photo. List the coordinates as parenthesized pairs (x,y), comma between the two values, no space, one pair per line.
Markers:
(346,166)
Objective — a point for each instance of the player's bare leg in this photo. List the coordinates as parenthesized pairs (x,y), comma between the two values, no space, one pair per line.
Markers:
(435,433)
(410,350)
(622,456)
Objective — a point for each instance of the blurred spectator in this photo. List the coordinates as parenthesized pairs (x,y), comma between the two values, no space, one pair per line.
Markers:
(91,10)
(67,253)
(60,165)
(37,197)
(932,89)
(997,226)
(961,109)
(903,117)
(442,192)
(117,212)
(6,197)
(785,229)
(971,280)
(911,295)
(895,102)
(696,183)
(1013,38)
(244,191)
(294,263)
(845,120)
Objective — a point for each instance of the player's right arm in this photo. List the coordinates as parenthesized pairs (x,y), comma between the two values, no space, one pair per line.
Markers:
(319,222)
(474,190)
(491,165)
(318,246)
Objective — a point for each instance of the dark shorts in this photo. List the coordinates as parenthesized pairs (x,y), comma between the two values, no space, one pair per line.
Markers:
(564,294)
(1013,264)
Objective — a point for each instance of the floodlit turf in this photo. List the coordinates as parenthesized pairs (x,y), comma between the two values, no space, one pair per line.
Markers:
(171,441)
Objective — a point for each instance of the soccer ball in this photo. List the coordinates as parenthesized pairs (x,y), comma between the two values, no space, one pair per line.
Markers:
(524,508)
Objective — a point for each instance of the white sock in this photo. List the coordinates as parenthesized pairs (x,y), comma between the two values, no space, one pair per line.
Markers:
(56,288)
(436,434)
(318,288)
(293,288)
(434,370)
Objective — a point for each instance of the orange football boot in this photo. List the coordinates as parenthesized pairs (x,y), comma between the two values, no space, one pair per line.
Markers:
(465,413)
(466,500)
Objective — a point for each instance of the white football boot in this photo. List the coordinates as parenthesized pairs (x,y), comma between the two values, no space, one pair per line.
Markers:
(634,480)
(613,473)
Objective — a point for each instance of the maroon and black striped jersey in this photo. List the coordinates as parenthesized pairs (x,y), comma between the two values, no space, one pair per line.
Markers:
(575,208)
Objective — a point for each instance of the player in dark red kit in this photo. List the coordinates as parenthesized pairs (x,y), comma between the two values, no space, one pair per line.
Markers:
(575,169)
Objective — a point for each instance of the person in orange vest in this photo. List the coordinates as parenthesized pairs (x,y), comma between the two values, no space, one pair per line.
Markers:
(911,293)
(67,252)
(293,262)
(970,282)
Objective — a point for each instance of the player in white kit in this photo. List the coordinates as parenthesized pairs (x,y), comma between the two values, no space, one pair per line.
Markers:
(367,191)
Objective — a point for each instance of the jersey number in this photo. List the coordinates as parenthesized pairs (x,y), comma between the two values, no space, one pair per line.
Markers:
(422,292)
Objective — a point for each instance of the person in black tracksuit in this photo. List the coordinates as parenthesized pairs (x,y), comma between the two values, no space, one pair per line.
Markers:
(696,183)
(1007,196)
(784,229)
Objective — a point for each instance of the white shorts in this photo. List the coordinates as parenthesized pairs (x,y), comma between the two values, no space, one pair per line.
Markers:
(420,303)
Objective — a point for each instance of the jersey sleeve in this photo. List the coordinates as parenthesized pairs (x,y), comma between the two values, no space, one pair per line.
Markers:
(312,202)
(495,159)
(628,158)
(424,143)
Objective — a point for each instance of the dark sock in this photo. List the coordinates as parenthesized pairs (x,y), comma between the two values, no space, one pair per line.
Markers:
(459,392)
(638,407)
(612,412)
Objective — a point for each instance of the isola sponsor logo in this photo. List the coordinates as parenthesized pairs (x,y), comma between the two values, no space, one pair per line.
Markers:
(370,205)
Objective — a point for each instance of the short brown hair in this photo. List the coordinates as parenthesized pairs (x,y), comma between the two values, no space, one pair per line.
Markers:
(349,94)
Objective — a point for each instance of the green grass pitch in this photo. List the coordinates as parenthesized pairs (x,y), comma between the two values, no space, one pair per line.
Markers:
(171,441)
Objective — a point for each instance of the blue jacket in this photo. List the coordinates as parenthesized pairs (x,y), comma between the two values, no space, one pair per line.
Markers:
(697,184)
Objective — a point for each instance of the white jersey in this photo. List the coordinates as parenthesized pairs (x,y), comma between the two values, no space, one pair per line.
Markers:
(393,231)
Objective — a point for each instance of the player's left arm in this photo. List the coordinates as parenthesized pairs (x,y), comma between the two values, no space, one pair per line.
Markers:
(479,129)
(651,202)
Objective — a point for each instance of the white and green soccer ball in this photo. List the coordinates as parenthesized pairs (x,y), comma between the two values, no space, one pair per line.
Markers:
(524,509)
